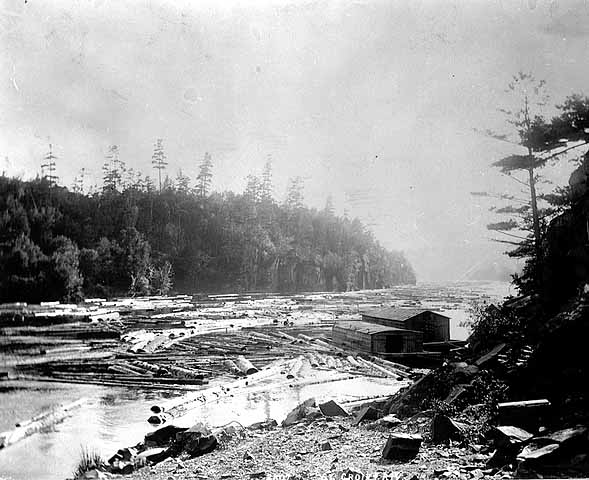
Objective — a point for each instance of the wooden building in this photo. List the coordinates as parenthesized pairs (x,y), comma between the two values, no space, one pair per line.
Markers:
(374,338)
(434,326)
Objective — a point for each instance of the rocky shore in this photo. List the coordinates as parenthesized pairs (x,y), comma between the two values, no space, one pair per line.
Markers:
(323,440)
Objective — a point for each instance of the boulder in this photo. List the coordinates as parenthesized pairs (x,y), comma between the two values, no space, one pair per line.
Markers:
(332,409)
(389,421)
(154,455)
(326,446)
(402,446)
(163,436)
(201,445)
(299,412)
(509,436)
(528,414)
(366,414)
(537,451)
(197,430)
(157,419)
(567,437)
(444,429)
(123,467)
(123,454)
(464,372)
(93,474)
(265,425)
(502,457)
(556,447)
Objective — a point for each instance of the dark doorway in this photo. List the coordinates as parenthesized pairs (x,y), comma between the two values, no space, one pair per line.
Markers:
(394,343)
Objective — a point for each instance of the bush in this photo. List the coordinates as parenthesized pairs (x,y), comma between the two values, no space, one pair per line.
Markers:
(491,326)
(160,278)
(89,460)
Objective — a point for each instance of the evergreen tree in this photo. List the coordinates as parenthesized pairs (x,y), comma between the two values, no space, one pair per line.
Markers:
(329,208)
(158,160)
(48,167)
(205,176)
(182,182)
(294,194)
(525,224)
(254,189)
(266,183)
(111,170)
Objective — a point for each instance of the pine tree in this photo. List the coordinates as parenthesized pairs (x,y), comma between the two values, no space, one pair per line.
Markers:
(182,182)
(48,167)
(266,184)
(158,160)
(329,208)
(253,189)
(294,195)
(525,223)
(111,170)
(78,186)
(205,176)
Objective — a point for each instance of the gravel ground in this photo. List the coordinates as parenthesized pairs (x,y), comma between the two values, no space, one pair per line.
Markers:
(300,452)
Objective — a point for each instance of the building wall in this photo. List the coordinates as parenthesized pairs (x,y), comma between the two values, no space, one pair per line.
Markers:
(435,327)
(352,339)
(410,342)
(377,342)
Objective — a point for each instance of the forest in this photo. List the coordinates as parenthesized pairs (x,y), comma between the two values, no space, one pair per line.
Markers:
(135,236)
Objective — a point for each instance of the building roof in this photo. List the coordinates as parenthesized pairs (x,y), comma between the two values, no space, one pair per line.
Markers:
(399,314)
(369,328)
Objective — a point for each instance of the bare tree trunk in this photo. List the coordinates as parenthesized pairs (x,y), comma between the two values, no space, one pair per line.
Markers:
(535,219)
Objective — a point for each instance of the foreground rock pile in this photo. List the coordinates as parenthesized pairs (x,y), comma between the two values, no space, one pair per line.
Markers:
(321,440)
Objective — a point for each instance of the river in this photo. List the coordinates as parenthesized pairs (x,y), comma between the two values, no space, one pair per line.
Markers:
(111,418)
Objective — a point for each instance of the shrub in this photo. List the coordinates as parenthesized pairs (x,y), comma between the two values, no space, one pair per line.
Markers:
(89,460)
(491,326)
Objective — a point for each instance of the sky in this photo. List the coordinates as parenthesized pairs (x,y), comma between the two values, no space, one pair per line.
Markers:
(372,102)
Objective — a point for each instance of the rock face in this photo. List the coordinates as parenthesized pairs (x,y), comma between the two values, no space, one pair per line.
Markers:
(402,446)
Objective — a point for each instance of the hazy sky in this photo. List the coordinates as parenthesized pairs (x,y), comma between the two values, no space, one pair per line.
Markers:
(373,102)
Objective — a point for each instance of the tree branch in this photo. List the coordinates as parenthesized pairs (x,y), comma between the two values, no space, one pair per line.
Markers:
(554,155)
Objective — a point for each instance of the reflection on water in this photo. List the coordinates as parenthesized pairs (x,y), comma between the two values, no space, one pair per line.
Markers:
(111,418)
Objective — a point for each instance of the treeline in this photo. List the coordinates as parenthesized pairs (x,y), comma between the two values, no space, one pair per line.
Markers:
(57,243)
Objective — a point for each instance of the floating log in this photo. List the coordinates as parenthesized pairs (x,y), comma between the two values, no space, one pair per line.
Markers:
(147,366)
(353,361)
(294,369)
(184,372)
(392,366)
(312,360)
(287,337)
(29,427)
(125,369)
(245,366)
(374,366)
(131,379)
(230,365)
